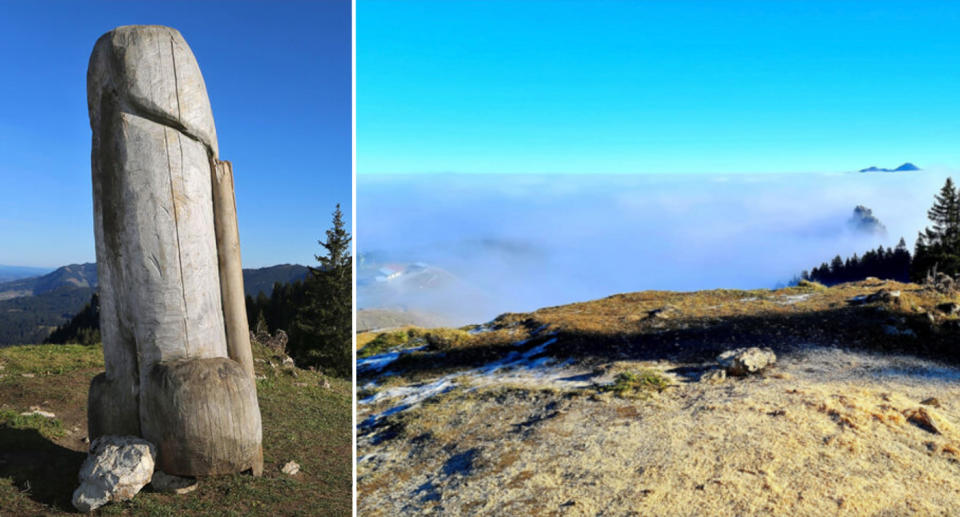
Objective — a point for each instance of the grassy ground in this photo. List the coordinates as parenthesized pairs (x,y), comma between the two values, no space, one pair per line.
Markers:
(695,326)
(40,457)
(616,422)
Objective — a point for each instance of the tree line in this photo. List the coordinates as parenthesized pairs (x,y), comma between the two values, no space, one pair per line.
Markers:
(886,263)
(937,250)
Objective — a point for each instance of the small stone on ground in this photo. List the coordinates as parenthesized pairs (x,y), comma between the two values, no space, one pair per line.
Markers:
(290,468)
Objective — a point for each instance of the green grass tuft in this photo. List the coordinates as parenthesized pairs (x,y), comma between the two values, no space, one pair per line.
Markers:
(384,341)
(49,359)
(632,384)
(50,428)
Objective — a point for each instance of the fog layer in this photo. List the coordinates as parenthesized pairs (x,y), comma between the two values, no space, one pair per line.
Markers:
(519,242)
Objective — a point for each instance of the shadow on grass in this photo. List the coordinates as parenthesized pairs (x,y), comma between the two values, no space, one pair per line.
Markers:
(38,467)
(700,340)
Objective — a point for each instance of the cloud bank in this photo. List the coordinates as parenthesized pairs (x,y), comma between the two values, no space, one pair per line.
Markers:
(520,242)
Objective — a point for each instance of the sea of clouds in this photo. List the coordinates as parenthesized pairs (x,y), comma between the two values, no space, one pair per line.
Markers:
(521,242)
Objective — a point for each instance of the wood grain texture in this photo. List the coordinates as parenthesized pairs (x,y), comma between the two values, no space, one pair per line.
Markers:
(203,416)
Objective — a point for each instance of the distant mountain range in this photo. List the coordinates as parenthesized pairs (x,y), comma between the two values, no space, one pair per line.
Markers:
(8,273)
(85,276)
(905,167)
(262,279)
(30,308)
(74,275)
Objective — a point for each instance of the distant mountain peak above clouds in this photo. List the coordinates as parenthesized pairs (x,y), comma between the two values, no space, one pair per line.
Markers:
(863,221)
(905,167)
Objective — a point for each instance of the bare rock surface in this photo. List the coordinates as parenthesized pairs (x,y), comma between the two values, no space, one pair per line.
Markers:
(115,470)
(745,361)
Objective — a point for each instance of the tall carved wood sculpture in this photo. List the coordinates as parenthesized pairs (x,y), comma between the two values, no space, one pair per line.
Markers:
(179,370)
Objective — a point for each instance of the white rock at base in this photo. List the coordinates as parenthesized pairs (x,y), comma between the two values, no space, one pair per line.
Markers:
(115,470)
(290,468)
(745,361)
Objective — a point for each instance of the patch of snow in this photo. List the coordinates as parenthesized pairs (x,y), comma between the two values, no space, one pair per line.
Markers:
(513,363)
(412,395)
(378,362)
(517,360)
(480,329)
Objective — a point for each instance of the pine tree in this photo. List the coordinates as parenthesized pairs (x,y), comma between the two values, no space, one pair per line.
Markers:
(945,215)
(323,325)
(939,246)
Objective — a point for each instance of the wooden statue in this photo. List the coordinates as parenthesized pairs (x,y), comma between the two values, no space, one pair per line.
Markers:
(179,370)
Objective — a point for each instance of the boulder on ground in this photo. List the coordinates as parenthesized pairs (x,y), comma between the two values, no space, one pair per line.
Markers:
(115,470)
(745,361)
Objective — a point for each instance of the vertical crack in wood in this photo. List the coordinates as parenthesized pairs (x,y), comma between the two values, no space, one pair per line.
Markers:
(176,83)
(176,228)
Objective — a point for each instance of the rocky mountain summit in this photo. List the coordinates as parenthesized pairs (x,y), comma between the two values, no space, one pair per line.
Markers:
(905,167)
(800,401)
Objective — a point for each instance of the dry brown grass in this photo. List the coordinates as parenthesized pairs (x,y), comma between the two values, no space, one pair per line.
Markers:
(827,432)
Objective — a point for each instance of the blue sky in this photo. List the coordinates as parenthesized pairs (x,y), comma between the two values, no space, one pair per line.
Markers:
(665,87)
(278,76)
